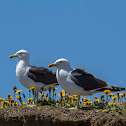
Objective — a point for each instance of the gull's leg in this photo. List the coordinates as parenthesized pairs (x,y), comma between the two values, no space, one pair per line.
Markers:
(78,106)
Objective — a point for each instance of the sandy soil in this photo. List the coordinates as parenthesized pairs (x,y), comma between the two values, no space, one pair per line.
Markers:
(55,116)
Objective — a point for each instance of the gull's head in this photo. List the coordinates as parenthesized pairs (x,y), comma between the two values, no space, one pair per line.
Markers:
(21,54)
(60,64)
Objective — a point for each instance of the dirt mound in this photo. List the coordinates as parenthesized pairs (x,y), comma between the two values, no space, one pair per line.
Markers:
(55,116)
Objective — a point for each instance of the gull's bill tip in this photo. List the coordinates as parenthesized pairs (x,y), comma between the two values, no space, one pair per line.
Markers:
(52,65)
(12,56)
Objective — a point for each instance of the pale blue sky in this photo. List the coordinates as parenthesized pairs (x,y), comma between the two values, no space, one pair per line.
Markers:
(91,34)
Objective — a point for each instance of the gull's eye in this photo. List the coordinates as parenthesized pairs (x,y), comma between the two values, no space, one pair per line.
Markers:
(19,53)
(60,62)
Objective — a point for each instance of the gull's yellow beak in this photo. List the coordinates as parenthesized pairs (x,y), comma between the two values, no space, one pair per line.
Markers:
(12,56)
(52,65)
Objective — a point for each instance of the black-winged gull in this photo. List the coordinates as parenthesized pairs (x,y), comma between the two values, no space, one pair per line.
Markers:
(77,81)
(30,76)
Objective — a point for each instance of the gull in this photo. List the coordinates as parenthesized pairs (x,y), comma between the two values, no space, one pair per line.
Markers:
(77,81)
(30,76)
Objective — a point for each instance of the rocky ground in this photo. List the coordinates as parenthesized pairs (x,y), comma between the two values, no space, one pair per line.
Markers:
(56,116)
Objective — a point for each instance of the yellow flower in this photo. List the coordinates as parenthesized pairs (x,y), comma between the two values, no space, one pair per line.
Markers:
(31,88)
(70,96)
(86,99)
(72,102)
(11,99)
(107,91)
(75,95)
(1,99)
(18,97)
(13,104)
(110,94)
(63,91)
(16,103)
(114,97)
(9,94)
(75,98)
(121,94)
(30,99)
(23,103)
(60,93)
(110,103)
(2,102)
(63,95)
(1,107)
(6,102)
(45,98)
(96,100)
(87,103)
(18,91)
(41,94)
(10,105)
(115,104)
(58,100)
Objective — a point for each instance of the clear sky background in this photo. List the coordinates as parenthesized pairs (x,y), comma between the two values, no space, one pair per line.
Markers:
(91,34)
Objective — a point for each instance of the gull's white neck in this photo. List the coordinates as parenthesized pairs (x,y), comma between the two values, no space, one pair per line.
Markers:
(23,62)
(67,69)
(21,66)
(62,73)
